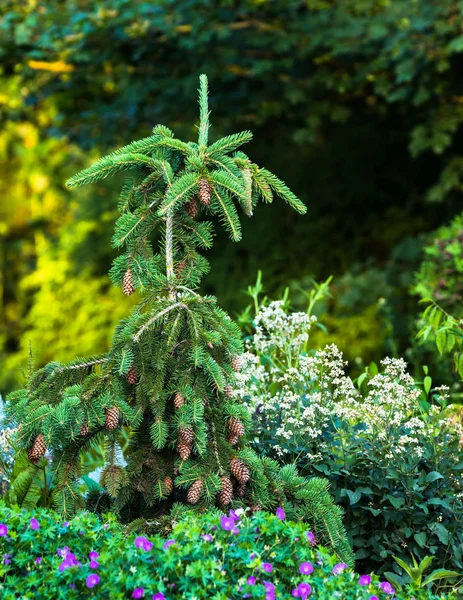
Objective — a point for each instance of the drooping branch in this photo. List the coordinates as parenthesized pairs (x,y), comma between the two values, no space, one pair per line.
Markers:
(159,315)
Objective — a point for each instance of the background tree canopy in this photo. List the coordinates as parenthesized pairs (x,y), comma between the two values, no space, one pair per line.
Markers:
(358,103)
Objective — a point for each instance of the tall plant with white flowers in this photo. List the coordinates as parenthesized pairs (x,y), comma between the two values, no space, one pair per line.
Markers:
(392,454)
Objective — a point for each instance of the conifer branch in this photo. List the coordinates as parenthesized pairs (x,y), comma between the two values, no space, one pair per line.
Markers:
(159,315)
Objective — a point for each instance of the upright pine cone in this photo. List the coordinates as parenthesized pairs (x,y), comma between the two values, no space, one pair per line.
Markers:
(192,208)
(228,391)
(112,418)
(179,401)
(226,491)
(84,429)
(194,493)
(204,192)
(186,435)
(127,283)
(38,448)
(184,450)
(168,482)
(132,376)
(235,427)
(239,470)
(236,363)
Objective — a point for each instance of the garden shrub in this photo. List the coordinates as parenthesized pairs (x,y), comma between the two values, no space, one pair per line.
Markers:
(391,453)
(212,555)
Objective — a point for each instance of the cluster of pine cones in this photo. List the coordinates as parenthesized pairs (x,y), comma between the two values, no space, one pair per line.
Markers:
(229,488)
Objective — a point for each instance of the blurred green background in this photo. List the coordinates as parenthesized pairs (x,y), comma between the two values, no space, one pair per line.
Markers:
(357,104)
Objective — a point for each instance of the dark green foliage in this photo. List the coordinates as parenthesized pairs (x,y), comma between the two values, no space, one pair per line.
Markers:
(439,284)
(175,343)
(214,563)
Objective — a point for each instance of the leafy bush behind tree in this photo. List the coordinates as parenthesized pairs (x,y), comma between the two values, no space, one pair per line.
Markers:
(389,447)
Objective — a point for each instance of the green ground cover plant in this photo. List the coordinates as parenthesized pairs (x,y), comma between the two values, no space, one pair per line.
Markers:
(214,555)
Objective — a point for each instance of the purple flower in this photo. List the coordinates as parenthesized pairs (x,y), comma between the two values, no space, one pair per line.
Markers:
(34,524)
(281,514)
(251,580)
(168,543)
(227,523)
(304,590)
(311,538)
(65,524)
(93,555)
(3,530)
(373,598)
(38,560)
(72,586)
(386,587)
(138,593)
(235,530)
(270,590)
(234,515)
(339,568)
(306,568)
(159,596)
(252,556)
(93,564)
(69,561)
(143,543)
(6,561)
(207,537)
(365,580)
(92,580)
(267,567)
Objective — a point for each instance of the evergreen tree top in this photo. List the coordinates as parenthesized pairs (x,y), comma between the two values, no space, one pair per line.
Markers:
(168,184)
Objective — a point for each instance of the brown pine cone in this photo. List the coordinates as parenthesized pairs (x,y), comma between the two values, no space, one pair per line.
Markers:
(132,376)
(127,283)
(236,363)
(235,427)
(38,449)
(112,418)
(186,435)
(228,391)
(179,401)
(84,429)
(194,493)
(192,208)
(232,440)
(255,508)
(239,470)
(204,192)
(226,491)
(184,450)
(241,490)
(180,267)
(168,482)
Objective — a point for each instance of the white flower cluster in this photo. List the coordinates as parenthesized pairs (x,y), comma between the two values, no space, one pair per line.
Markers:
(305,404)
(6,453)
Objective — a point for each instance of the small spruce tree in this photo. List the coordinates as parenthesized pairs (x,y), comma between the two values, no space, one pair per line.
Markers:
(168,375)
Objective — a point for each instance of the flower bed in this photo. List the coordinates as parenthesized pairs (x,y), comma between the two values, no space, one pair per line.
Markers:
(204,556)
